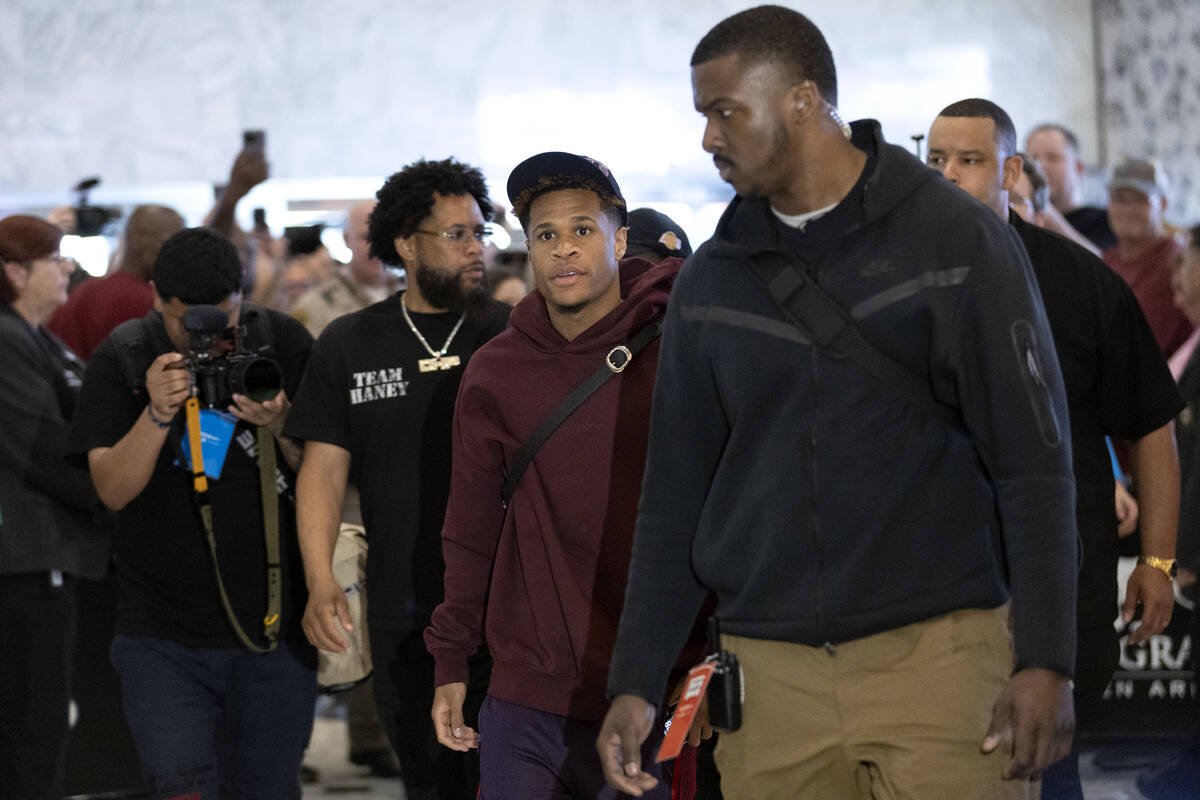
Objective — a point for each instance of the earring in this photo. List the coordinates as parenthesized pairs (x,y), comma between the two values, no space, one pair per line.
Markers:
(833,113)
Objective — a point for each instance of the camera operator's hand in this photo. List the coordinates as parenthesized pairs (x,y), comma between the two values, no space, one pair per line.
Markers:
(273,413)
(167,383)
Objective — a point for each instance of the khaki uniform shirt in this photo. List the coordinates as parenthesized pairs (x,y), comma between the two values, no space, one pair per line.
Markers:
(335,296)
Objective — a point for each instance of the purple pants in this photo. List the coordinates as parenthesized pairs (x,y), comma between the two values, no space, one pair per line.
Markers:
(526,754)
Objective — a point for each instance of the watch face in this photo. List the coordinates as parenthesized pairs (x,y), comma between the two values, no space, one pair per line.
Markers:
(1174,568)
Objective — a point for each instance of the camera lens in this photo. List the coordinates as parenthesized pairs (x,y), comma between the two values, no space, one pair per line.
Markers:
(260,379)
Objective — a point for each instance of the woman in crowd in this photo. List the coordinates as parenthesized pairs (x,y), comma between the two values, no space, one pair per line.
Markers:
(47,537)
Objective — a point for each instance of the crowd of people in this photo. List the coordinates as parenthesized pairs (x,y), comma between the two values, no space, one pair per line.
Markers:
(856,445)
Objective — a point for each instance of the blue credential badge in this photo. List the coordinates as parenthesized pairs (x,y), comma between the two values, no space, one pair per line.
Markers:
(216,434)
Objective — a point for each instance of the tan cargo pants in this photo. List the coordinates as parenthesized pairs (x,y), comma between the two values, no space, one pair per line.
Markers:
(898,715)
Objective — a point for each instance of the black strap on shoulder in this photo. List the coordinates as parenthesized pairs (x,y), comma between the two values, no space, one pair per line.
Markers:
(135,351)
(829,325)
(615,361)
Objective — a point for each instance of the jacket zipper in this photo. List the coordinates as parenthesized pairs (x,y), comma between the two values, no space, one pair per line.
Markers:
(816,485)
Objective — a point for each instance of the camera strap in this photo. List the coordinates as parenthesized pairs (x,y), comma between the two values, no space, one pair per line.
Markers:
(270,512)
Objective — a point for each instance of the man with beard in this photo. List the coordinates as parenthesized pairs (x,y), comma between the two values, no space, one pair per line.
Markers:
(375,410)
(858,442)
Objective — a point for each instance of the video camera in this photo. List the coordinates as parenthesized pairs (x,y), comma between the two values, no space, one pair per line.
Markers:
(234,369)
(91,220)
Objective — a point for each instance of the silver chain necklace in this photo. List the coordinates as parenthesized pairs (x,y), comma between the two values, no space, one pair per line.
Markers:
(438,359)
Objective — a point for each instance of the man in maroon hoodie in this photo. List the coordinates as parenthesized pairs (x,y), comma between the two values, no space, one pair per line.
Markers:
(545,579)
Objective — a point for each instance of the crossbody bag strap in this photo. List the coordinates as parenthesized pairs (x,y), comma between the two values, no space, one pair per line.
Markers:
(270,506)
(615,361)
(829,325)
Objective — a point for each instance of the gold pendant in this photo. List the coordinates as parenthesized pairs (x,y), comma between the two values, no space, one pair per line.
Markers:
(438,363)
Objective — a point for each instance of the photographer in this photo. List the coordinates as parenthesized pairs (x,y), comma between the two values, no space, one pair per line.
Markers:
(213,700)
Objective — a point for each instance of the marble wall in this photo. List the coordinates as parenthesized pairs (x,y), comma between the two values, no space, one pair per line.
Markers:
(154,93)
(1150,78)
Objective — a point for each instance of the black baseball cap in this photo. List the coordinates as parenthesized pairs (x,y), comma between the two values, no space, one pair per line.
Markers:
(653,230)
(557,170)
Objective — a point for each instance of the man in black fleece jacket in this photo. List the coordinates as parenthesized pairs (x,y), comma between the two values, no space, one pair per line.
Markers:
(863,549)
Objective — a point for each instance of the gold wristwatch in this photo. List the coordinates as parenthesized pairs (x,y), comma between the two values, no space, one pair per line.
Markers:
(1166,565)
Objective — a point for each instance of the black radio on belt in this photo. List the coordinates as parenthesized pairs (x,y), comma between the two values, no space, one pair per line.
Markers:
(726,691)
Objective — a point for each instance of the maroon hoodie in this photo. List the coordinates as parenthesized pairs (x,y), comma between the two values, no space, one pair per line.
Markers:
(549,577)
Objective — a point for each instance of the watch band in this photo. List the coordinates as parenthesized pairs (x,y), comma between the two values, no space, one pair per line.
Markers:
(1165,565)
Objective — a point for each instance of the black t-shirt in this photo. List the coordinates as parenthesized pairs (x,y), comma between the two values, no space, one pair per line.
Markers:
(1117,385)
(363,392)
(1092,222)
(165,580)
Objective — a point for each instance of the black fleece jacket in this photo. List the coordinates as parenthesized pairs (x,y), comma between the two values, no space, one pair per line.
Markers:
(820,504)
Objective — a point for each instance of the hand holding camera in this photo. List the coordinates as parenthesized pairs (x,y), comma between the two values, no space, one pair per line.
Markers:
(272,413)
(168,385)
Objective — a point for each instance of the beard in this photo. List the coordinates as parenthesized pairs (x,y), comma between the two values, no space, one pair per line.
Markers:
(445,289)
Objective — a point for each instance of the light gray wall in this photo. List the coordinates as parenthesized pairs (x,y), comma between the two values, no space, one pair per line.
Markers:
(148,93)
(1150,60)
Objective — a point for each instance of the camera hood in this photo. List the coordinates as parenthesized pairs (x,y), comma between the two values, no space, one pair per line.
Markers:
(205,319)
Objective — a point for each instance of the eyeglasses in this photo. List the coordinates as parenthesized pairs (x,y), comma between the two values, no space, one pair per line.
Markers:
(461,235)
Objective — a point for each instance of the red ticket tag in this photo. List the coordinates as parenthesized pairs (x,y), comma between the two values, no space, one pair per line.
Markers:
(695,685)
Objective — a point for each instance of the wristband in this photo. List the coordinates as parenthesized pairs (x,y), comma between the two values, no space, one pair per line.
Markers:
(162,426)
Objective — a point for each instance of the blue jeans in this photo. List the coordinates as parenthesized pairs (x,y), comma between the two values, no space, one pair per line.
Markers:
(203,719)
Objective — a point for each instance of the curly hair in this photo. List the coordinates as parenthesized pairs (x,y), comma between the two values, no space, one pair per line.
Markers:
(613,206)
(24,239)
(773,35)
(199,266)
(407,198)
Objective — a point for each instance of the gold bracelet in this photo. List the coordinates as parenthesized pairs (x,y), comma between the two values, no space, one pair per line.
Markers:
(1167,566)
